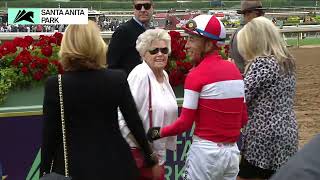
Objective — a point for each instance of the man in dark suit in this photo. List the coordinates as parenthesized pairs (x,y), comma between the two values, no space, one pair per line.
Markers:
(122,53)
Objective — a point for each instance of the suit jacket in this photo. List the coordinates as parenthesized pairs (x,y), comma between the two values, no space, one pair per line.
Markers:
(96,148)
(122,53)
(234,52)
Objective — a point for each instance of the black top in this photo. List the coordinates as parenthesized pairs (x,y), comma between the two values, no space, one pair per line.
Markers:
(96,147)
(122,53)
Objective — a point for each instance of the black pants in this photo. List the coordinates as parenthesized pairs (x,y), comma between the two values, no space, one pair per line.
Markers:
(249,171)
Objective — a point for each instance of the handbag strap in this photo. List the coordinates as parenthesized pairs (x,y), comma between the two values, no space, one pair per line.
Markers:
(63,126)
(150,105)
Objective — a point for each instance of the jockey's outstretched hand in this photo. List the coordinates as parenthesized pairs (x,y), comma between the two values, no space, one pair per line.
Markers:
(153,133)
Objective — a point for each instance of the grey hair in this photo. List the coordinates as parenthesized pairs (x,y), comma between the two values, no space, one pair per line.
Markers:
(145,39)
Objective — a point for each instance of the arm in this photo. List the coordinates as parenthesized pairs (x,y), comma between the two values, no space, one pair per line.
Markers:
(244,115)
(117,48)
(261,71)
(187,116)
(189,108)
(234,53)
(133,121)
(51,127)
(138,90)
(231,44)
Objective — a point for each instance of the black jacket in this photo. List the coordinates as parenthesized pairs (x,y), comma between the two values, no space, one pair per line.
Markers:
(122,53)
(96,147)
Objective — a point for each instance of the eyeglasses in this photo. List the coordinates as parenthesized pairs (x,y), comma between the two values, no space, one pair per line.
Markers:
(157,50)
(146,6)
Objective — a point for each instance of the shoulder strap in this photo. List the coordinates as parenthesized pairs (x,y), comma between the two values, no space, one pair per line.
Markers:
(63,127)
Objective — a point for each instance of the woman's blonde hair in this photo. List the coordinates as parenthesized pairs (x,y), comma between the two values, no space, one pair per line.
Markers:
(260,37)
(83,48)
(145,39)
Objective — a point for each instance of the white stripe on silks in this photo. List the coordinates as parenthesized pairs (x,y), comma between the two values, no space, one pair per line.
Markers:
(191,99)
(223,90)
(223,32)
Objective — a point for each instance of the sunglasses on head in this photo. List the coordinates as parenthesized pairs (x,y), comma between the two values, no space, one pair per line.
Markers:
(156,50)
(146,6)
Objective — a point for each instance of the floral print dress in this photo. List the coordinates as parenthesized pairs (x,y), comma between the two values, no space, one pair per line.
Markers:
(271,135)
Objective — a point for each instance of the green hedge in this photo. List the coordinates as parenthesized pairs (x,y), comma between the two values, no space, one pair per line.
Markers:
(7,81)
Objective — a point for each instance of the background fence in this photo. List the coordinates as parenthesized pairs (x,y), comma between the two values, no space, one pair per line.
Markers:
(108,5)
(293,35)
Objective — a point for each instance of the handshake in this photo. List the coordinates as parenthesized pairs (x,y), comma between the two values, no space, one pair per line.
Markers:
(153,134)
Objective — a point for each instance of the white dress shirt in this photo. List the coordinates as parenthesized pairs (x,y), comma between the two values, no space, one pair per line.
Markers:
(164,106)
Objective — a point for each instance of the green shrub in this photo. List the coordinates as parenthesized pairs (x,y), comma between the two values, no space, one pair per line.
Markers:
(8,80)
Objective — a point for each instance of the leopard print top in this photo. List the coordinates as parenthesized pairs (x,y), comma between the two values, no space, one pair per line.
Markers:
(271,135)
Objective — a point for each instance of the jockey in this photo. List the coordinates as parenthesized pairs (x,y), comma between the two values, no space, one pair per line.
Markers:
(213,100)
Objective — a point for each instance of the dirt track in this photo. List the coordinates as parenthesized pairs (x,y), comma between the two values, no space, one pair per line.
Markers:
(307,105)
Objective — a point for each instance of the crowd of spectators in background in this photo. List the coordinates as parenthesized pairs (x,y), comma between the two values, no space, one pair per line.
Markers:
(110,24)
(4,27)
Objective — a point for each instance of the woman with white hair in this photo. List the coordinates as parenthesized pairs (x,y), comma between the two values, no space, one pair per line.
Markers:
(154,97)
(271,135)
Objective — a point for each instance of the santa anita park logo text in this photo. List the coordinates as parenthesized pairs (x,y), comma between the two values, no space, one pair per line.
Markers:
(48,16)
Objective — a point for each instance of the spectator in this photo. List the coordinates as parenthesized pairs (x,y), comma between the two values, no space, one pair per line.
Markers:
(122,53)
(271,135)
(91,96)
(250,10)
(149,83)
(304,165)
(214,101)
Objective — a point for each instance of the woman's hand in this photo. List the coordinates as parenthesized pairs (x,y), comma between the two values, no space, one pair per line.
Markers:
(153,133)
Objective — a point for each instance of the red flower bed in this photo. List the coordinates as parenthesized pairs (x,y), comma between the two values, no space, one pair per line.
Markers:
(32,60)
(179,63)
(25,62)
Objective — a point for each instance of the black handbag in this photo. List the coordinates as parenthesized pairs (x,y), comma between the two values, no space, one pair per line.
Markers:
(53,175)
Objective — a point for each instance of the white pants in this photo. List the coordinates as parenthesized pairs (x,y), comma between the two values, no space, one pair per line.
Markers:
(211,161)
